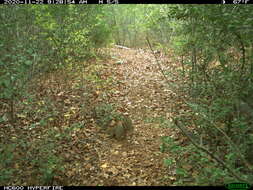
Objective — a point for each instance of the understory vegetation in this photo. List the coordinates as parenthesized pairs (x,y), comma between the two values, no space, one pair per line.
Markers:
(180,75)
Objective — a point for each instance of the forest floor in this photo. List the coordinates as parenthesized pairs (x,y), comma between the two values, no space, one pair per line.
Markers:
(144,94)
(54,129)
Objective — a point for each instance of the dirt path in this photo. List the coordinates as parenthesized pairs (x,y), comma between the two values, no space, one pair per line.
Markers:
(137,87)
(72,150)
(142,93)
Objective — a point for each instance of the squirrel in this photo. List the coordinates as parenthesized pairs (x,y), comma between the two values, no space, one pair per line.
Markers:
(120,127)
(114,123)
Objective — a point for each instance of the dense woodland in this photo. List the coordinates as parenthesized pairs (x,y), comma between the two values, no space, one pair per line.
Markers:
(108,95)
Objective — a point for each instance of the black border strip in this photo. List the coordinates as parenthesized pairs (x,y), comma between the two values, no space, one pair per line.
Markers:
(126,1)
(112,187)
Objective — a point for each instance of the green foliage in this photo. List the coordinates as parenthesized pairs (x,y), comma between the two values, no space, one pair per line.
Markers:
(43,161)
(37,40)
(6,160)
(128,24)
(216,55)
(103,114)
(213,121)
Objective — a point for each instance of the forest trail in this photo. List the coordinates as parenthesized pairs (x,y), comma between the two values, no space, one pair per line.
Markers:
(67,83)
(143,94)
(74,149)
